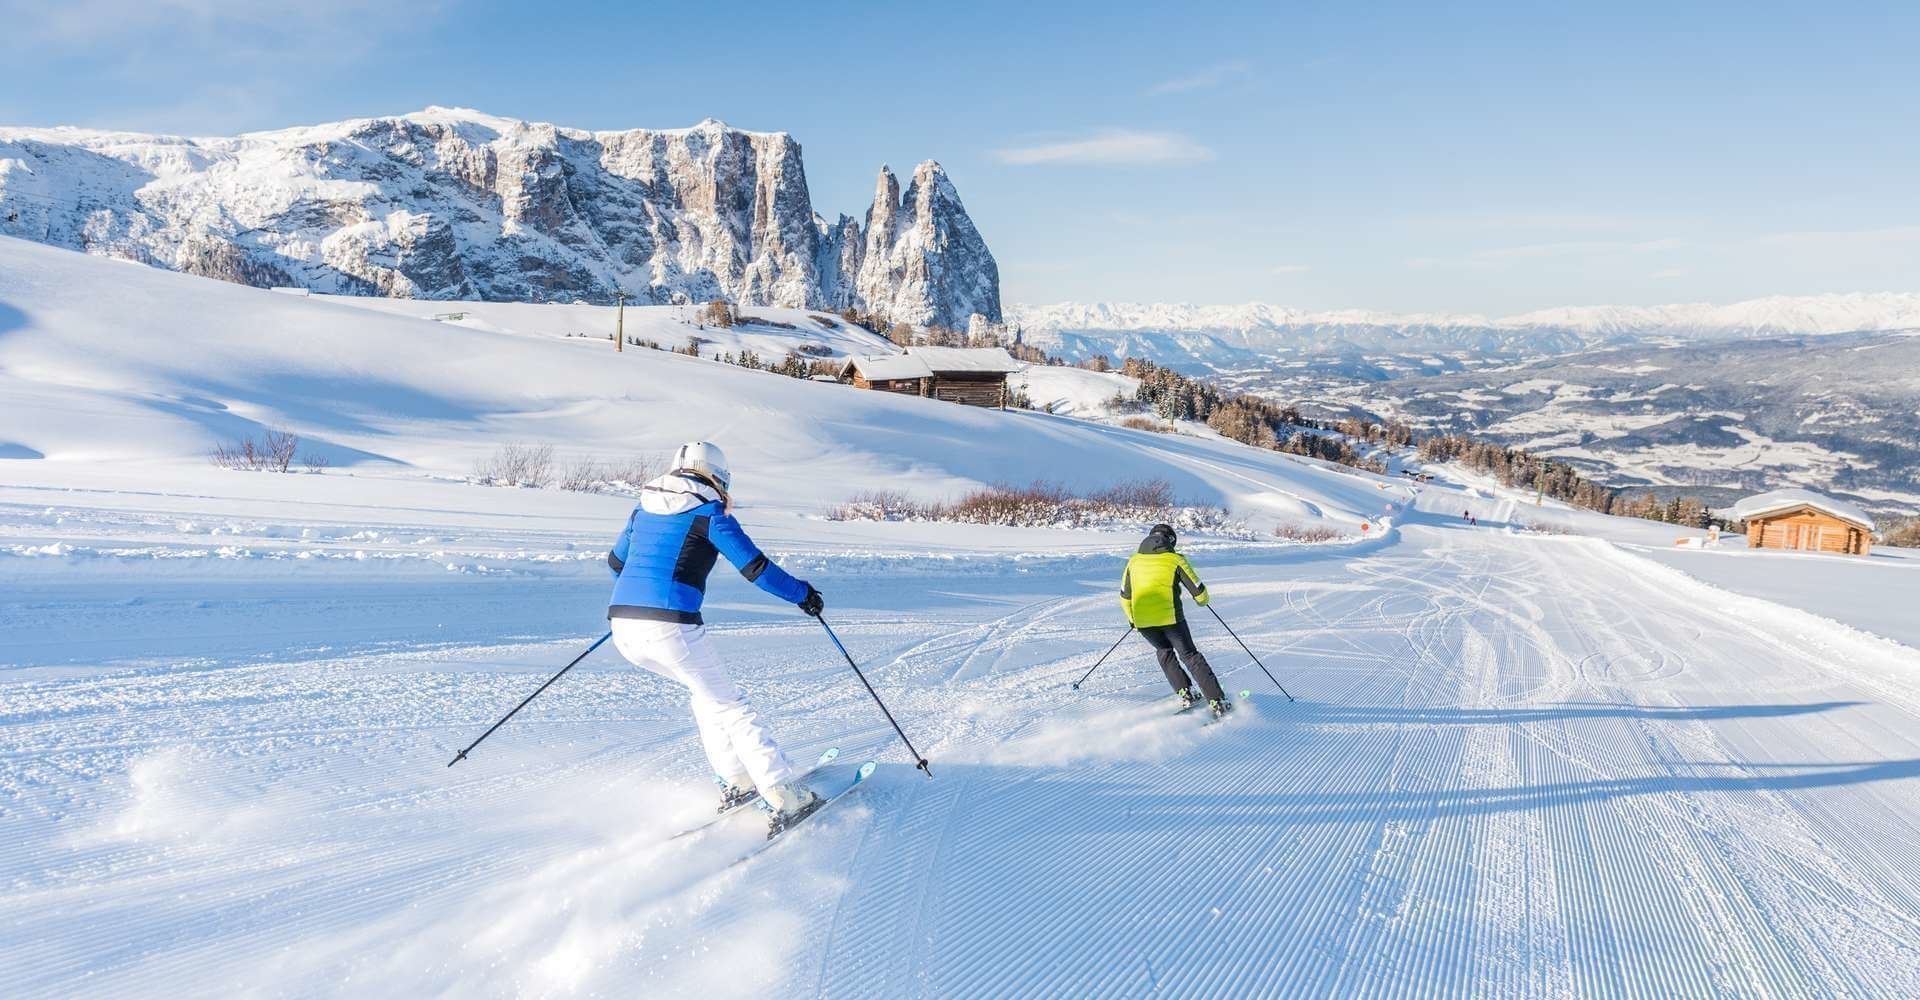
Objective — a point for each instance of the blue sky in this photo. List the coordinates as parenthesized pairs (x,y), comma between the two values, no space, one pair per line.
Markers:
(1490,158)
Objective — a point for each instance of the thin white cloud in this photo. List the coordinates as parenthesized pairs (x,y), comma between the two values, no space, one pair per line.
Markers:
(202,67)
(1851,237)
(1109,147)
(1567,220)
(1496,256)
(1670,272)
(1289,269)
(79,24)
(1217,75)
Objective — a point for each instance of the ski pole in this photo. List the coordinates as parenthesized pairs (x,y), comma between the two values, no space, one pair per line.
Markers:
(1256,659)
(918,761)
(462,755)
(1103,658)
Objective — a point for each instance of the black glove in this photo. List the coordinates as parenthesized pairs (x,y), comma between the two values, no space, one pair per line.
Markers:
(813,603)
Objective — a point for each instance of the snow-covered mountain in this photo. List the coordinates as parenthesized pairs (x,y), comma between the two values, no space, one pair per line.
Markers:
(455,204)
(1259,328)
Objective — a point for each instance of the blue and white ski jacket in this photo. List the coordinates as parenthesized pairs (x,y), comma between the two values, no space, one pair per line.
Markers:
(661,560)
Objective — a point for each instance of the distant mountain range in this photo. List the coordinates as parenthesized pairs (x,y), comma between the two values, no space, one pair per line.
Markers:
(1838,413)
(1711,400)
(1215,337)
(449,203)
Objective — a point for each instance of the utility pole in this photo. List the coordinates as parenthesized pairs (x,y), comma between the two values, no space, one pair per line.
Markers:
(620,323)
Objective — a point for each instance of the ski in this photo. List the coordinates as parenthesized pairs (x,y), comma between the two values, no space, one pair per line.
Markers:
(774,836)
(1246,696)
(827,757)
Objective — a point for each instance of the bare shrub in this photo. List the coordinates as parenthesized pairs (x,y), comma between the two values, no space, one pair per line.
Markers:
(1155,494)
(280,447)
(884,505)
(1146,424)
(592,475)
(1308,534)
(1903,534)
(1546,528)
(1038,503)
(517,465)
(315,463)
(582,476)
(1043,504)
(718,313)
(273,452)
(243,455)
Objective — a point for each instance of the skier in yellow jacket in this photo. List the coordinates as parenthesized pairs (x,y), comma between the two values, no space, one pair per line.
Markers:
(1150,593)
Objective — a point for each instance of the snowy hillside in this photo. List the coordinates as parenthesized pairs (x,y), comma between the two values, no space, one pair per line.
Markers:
(769,332)
(378,391)
(1528,751)
(450,203)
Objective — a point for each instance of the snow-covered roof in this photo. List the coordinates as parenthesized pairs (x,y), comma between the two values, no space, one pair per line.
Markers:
(890,366)
(967,359)
(1776,501)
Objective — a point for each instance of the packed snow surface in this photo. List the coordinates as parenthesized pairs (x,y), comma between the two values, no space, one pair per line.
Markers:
(1520,762)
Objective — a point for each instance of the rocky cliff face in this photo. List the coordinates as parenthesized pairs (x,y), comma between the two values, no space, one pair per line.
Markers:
(453,204)
(924,262)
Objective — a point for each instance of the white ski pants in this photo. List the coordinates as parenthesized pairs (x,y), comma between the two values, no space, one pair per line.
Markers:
(737,745)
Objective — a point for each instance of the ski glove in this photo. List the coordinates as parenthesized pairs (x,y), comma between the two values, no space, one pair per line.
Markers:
(813,603)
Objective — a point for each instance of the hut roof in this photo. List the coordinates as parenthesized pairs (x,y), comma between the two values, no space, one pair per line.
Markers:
(1780,501)
(885,367)
(983,360)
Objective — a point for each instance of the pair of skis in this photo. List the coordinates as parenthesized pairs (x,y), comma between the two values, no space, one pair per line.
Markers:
(837,781)
(1245,695)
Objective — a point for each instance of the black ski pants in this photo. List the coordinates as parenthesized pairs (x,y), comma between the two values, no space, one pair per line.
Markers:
(1173,645)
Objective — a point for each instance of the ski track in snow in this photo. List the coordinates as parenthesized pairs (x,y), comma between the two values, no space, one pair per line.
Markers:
(1515,768)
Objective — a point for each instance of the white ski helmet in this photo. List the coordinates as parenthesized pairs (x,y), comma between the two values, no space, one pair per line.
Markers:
(706,460)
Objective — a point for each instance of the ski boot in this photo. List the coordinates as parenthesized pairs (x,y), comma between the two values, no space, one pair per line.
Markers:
(732,795)
(1220,707)
(791,802)
(1187,698)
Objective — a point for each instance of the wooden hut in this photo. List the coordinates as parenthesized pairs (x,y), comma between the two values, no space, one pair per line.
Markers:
(1805,521)
(974,376)
(902,373)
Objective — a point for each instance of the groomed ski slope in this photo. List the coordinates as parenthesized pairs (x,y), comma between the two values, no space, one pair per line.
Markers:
(1519,765)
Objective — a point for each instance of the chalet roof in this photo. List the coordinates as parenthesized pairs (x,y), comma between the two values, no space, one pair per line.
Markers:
(985,360)
(1781,501)
(889,366)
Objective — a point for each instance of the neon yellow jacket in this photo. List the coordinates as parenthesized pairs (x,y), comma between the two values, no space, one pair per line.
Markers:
(1149,587)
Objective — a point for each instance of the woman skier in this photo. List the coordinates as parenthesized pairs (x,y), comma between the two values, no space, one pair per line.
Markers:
(660,565)
(1150,592)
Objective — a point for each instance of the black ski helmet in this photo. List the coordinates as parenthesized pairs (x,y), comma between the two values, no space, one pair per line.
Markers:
(1164,529)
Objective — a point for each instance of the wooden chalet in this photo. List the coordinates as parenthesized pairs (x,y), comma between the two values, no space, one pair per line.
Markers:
(1805,521)
(974,376)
